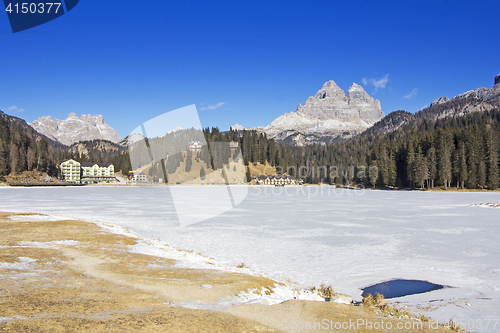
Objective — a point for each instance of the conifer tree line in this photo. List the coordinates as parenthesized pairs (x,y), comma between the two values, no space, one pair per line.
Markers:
(101,151)
(460,151)
(255,148)
(21,149)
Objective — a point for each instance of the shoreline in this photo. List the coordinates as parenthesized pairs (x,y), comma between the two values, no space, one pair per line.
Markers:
(436,189)
(74,272)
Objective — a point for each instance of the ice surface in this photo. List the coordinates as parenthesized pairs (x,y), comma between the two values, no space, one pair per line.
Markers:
(312,235)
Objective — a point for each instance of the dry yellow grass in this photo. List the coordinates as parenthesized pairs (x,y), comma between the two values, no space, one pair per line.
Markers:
(99,286)
(261,169)
(95,284)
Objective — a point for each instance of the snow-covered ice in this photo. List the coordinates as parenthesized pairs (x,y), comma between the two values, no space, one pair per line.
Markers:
(312,235)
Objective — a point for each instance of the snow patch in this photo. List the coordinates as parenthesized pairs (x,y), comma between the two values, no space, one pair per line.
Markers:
(22,264)
(69,242)
(32,218)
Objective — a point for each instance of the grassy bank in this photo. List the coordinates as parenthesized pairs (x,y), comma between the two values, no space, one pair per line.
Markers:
(71,275)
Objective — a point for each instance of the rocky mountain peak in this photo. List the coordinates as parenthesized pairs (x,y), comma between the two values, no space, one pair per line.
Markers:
(327,116)
(329,90)
(355,87)
(357,95)
(75,129)
(237,127)
(369,108)
(440,100)
(497,79)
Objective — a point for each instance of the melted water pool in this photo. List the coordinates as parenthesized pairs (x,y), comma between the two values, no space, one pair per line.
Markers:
(400,288)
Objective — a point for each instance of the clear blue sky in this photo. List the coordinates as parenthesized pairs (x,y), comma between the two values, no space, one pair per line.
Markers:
(243,62)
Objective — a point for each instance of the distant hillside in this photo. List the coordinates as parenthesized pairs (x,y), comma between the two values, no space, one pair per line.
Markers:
(102,151)
(96,148)
(389,123)
(26,127)
(22,148)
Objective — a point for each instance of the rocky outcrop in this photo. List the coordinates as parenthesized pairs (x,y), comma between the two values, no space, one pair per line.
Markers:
(237,127)
(130,139)
(484,94)
(497,79)
(74,129)
(440,100)
(327,117)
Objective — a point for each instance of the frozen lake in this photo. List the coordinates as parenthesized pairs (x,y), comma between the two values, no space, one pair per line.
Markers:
(312,235)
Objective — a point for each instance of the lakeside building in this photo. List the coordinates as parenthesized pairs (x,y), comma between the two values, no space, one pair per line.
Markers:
(97,172)
(139,177)
(70,170)
(86,172)
(276,180)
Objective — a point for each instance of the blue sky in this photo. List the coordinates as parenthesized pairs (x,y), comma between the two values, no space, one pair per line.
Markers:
(243,62)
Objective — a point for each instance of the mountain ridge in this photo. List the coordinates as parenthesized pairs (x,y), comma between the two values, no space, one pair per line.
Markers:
(476,100)
(74,129)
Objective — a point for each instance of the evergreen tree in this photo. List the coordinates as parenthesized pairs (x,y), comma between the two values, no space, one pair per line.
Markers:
(481,173)
(391,170)
(410,163)
(432,164)
(472,161)
(202,173)
(421,170)
(189,161)
(492,160)
(444,158)
(462,164)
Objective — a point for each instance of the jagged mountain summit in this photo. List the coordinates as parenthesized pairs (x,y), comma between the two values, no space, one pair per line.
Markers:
(74,129)
(327,117)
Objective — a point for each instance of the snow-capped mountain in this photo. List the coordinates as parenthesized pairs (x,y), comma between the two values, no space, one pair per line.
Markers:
(327,117)
(75,129)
